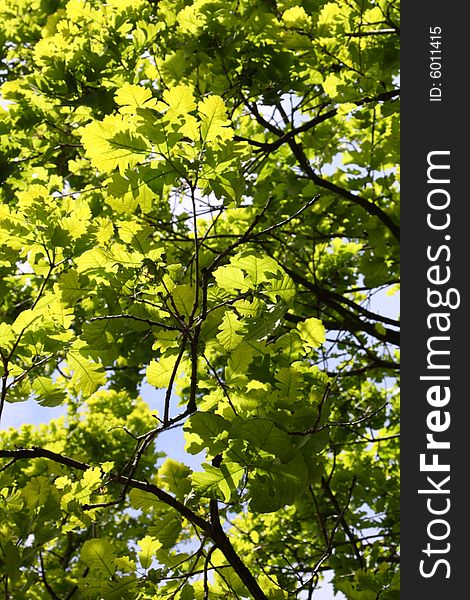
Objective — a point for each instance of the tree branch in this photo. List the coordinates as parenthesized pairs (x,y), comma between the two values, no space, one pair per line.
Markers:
(369,207)
(223,543)
(334,301)
(285,137)
(355,543)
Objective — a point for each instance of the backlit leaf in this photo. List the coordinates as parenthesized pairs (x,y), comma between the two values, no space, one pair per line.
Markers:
(87,375)
(159,372)
(219,482)
(231,330)
(132,96)
(312,332)
(48,393)
(231,278)
(99,554)
(264,434)
(149,546)
(180,100)
(111,144)
(213,114)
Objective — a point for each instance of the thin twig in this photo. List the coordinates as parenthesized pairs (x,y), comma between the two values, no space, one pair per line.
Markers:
(47,585)
(355,543)
(134,318)
(244,238)
(289,219)
(206,569)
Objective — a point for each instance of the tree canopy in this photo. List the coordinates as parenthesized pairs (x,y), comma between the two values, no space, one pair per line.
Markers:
(202,196)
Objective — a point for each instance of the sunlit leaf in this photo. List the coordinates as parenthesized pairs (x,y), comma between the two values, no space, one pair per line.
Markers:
(148,547)
(312,332)
(99,554)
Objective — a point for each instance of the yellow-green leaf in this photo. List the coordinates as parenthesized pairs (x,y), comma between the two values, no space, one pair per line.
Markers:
(111,144)
(87,376)
(213,115)
(312,332)
(231,329)
(7,336)
(231,278)
(159,372)
(149,547)
(180,100)
(98,554)
(131,97)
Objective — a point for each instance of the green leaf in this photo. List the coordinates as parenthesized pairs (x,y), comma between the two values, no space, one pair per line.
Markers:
(219,482)
(91,478)
(213,115)
(331,84)
(166,529)
(231,278)
(87,376)
(267,322)
(12,560)
(47,392)
(121,589)
(176,476)
(70,287)
(238,363)
(110,144)
(391,595)
(296,17)
(312,332)
(133,96)
(125,564)
(259,268)
(97,334)
(265,435)
(207,425)
(26,320)
(282,287)
(183,297)
(120,194)
(126,192)
(190,19)
(96,260)
(205,430)
(247,308)
(186,593)
(149,547)
(159,372)
(290,383)
(142,499)
(36,491)
(231,328)
(7,336)
(352,594)
(99,554)
(274,486)
(180,100)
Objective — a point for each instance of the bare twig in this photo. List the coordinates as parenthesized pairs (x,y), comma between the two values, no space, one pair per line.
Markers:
(355,543)
(134,318)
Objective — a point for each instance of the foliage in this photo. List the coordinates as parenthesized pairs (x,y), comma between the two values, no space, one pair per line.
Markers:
(202,196)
